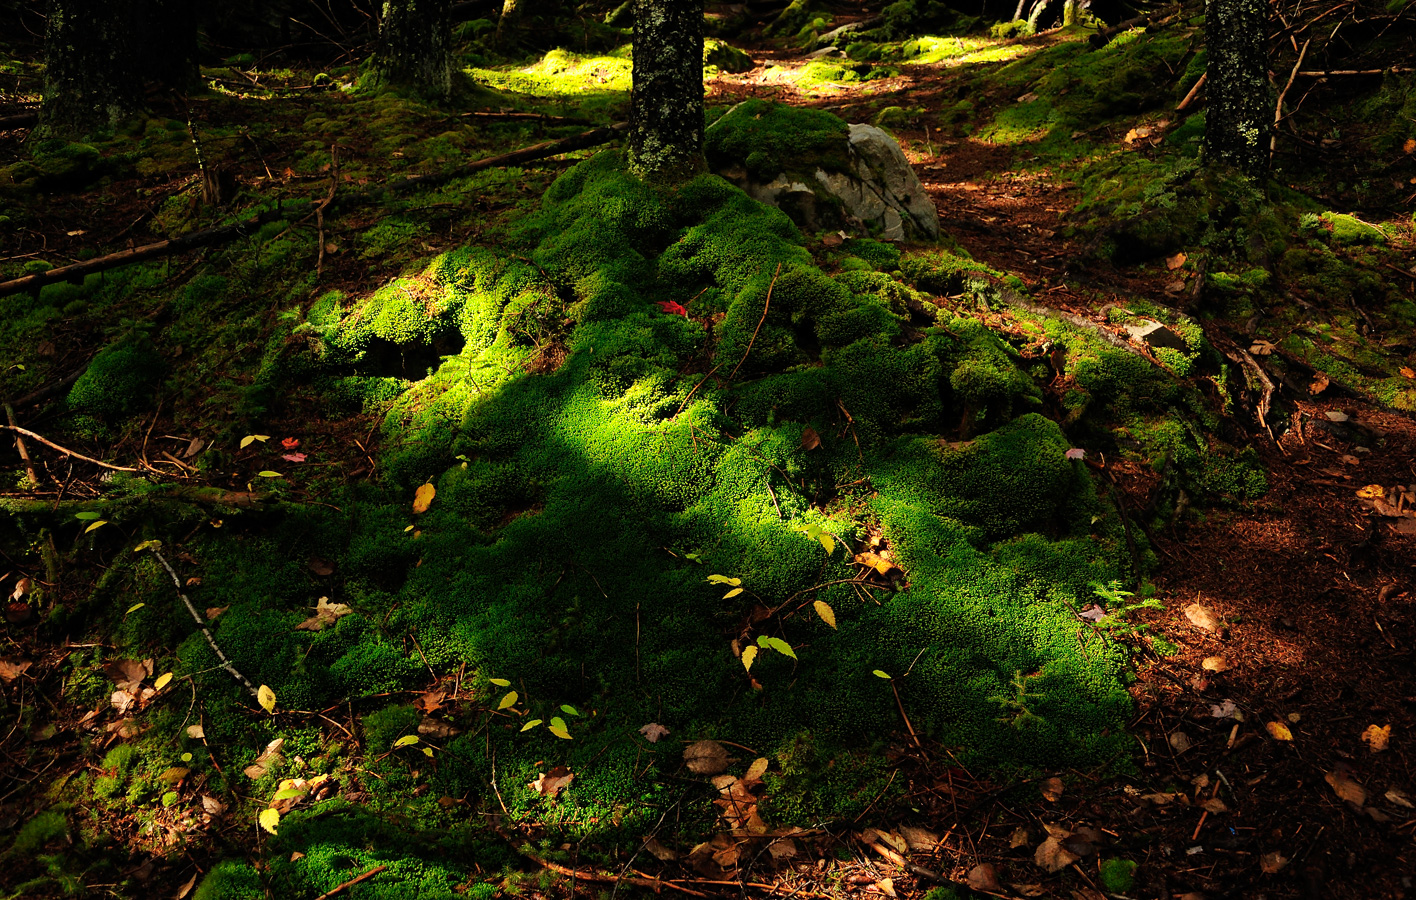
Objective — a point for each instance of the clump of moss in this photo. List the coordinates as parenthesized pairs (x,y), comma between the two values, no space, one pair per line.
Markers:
(117,383)
(1348,230)
(720,56)
(765,136)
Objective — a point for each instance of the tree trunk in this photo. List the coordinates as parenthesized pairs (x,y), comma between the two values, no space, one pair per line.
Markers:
(666,103)
(1069,13)
(1240,109)
(100,54)
(166,43)
(415,45)
(509,22)
(90,80)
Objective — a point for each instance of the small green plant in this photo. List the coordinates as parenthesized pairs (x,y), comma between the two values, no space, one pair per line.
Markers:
(556,726)
(1117,606)
(1017,706)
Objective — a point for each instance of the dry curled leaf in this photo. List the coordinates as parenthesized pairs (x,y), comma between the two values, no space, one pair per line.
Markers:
(326,614)
(756,770)
(1272,862)
(706,757)
(9,671)
(1174,262)
(984,877)
(1320,383)
(550,783)
(1371,492)
(1343,785)
(1279,731)
(1202,616)
(1052,856)
(1377,737)
(653,732)
(1052,789)
(1215,664)
(269,757)
(810,440)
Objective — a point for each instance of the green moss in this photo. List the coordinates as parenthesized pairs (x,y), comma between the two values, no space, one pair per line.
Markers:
(769,135)
(40,830)
(1349,230)
(117,383)
(720,56)
(231,879)
(1117,875)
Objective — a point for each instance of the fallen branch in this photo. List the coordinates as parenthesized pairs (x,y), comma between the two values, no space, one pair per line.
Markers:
(597,877)
(351,882)
(223,233)
(20,446)
(1334,73)
(765,306)
(22,120)
(1104,36)
(1278,107)
(522,117)
(320,210)
(65,450)
(196,616)
(205,237)
(1193,93)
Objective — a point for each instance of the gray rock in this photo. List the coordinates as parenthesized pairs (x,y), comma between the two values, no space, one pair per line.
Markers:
(827,53)
(1156,335)
(876,194)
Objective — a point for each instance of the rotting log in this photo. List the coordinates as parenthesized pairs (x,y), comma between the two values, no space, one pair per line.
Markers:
(223,233)
(1160,17)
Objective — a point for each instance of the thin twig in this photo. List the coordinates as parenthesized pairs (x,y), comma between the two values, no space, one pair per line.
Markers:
(351,882)
(696,387)
(320,210)
(66,451)
(765,306)
(20,446)
(225,663)
(1278,107)
(1194,92)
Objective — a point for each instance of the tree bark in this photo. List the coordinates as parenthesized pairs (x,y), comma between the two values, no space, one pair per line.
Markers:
(90,80)
(1237,92)
(415,45)
(100,54)
(666,102)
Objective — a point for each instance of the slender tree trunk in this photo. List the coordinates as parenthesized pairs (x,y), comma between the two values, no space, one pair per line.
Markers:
(100,54)
(166,42)
(509,22)
(1240,107)
(666,103)
(415,45)
(1069,13)
(90,80)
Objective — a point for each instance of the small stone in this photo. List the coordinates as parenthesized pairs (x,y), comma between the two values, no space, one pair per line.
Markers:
(1156,335)
(1336,415)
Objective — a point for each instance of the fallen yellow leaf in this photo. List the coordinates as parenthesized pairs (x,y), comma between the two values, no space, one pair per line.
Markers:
(1377,736)
(1371,492)
(1279,731)
(423,498)
(1408,372)
(1175,262)
(1409,146)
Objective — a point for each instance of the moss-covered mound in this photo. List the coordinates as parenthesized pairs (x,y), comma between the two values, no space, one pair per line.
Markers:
(580,512)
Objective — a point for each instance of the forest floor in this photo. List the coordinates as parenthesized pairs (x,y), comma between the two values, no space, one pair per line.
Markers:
(1276,755)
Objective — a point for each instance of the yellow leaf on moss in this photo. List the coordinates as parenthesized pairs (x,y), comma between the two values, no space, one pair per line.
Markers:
(423,497)
(748,655)
(269,819)
(827,614)
(266,697)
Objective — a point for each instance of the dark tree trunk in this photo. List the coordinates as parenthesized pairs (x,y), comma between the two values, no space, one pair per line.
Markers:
(1240,109)
(510,20)
(666,103)
(100,55)
(90,80)
(166,41)
(415,45)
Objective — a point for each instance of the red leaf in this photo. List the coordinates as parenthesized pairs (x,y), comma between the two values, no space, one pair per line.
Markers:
(290,443)
(673,308)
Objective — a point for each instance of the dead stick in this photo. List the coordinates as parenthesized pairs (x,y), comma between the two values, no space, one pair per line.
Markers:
(695,390)
(1194,92)
(1278,107)
(20,446)
(225,663)
(1335,72)
(765,306)
(351,882)
(901,706)
(66,451)
(320,210)
(598,877)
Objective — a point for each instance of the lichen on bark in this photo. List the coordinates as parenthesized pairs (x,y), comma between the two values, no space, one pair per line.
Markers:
(415,46)
(1239,98)
(666,101)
